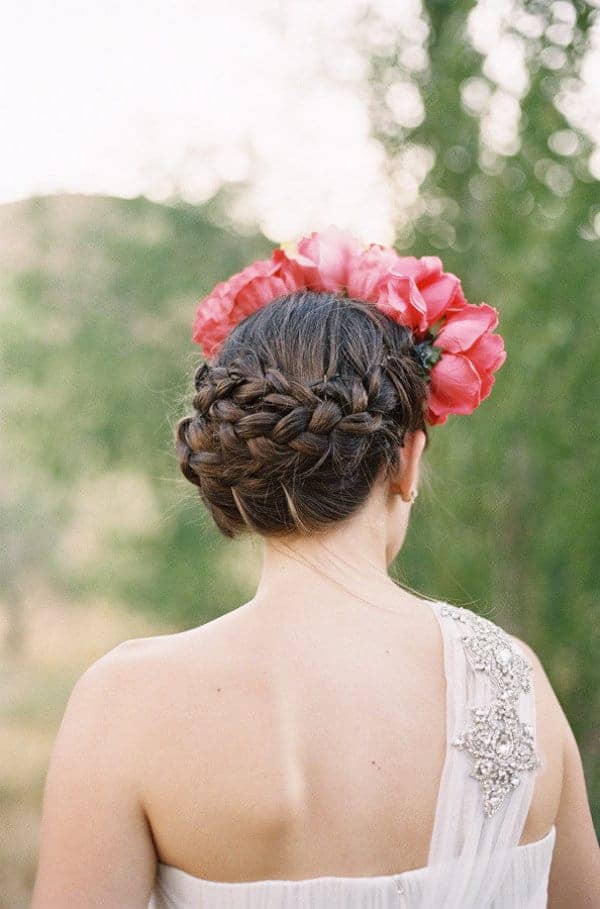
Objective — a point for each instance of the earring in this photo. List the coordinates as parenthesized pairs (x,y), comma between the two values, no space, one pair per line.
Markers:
(413,494)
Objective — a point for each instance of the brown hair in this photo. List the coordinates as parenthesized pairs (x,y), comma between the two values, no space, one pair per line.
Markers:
(307,401)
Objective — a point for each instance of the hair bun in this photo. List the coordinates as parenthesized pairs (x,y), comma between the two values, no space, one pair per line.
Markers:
(272,448)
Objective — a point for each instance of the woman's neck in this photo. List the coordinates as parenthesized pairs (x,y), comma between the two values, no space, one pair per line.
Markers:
(351,559)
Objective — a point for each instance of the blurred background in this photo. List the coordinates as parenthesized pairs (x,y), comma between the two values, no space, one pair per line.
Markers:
(152,150)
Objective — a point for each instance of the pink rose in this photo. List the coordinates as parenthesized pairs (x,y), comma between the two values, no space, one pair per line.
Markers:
(244,293)
(462,378)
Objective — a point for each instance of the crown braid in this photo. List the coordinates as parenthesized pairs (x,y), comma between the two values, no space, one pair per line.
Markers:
(277,452)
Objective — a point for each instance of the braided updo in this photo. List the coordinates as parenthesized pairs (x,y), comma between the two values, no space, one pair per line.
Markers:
(305,404)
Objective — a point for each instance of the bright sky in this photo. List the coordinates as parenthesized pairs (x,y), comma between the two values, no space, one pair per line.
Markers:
(118,97)
(157,98)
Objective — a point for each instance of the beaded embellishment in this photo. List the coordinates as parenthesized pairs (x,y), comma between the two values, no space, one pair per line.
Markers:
(502,747)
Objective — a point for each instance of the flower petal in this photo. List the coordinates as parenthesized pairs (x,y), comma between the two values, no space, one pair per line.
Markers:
(295,275)
(211,322)
(487,382)
(244,293)
(488,353)
(369,270)
(333,252)
(455,386)
(435,419)
(257,293)
(463,328)
(439,294)
(400,299)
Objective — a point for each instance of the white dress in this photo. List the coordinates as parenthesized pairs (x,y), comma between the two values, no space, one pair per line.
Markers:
(485,791)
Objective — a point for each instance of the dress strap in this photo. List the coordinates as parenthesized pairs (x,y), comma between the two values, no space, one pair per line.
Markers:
(488,775)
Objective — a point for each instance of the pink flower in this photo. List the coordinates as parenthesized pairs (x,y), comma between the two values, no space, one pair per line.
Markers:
(430,294)
(244,293)
(328,258)
(413,292)
(370,269)
(399,298)
(463,376)
(442,291)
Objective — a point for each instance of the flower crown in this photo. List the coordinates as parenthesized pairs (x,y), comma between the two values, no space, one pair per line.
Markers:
(452,338)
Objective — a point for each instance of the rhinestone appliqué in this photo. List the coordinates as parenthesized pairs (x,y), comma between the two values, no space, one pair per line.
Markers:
(501,745)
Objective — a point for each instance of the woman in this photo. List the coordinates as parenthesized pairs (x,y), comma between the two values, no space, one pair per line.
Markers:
(337,741)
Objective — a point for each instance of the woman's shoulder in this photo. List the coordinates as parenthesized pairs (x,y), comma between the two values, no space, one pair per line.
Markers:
(516,666)
(160,671)
(481,631)
(137,698)
(115,685)
(134,679)
(126,661)
(144,661)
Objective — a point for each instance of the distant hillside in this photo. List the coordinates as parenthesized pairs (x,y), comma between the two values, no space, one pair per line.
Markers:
(97,297)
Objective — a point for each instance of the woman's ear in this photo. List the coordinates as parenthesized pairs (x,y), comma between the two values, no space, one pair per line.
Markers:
(407,476)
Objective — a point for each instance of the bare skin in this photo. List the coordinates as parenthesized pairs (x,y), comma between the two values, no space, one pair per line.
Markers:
(287,739)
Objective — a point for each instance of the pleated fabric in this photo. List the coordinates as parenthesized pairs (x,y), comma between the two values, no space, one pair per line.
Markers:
(474,860)
(481,850)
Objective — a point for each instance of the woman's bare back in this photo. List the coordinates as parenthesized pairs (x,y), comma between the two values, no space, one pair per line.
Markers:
(295,740)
